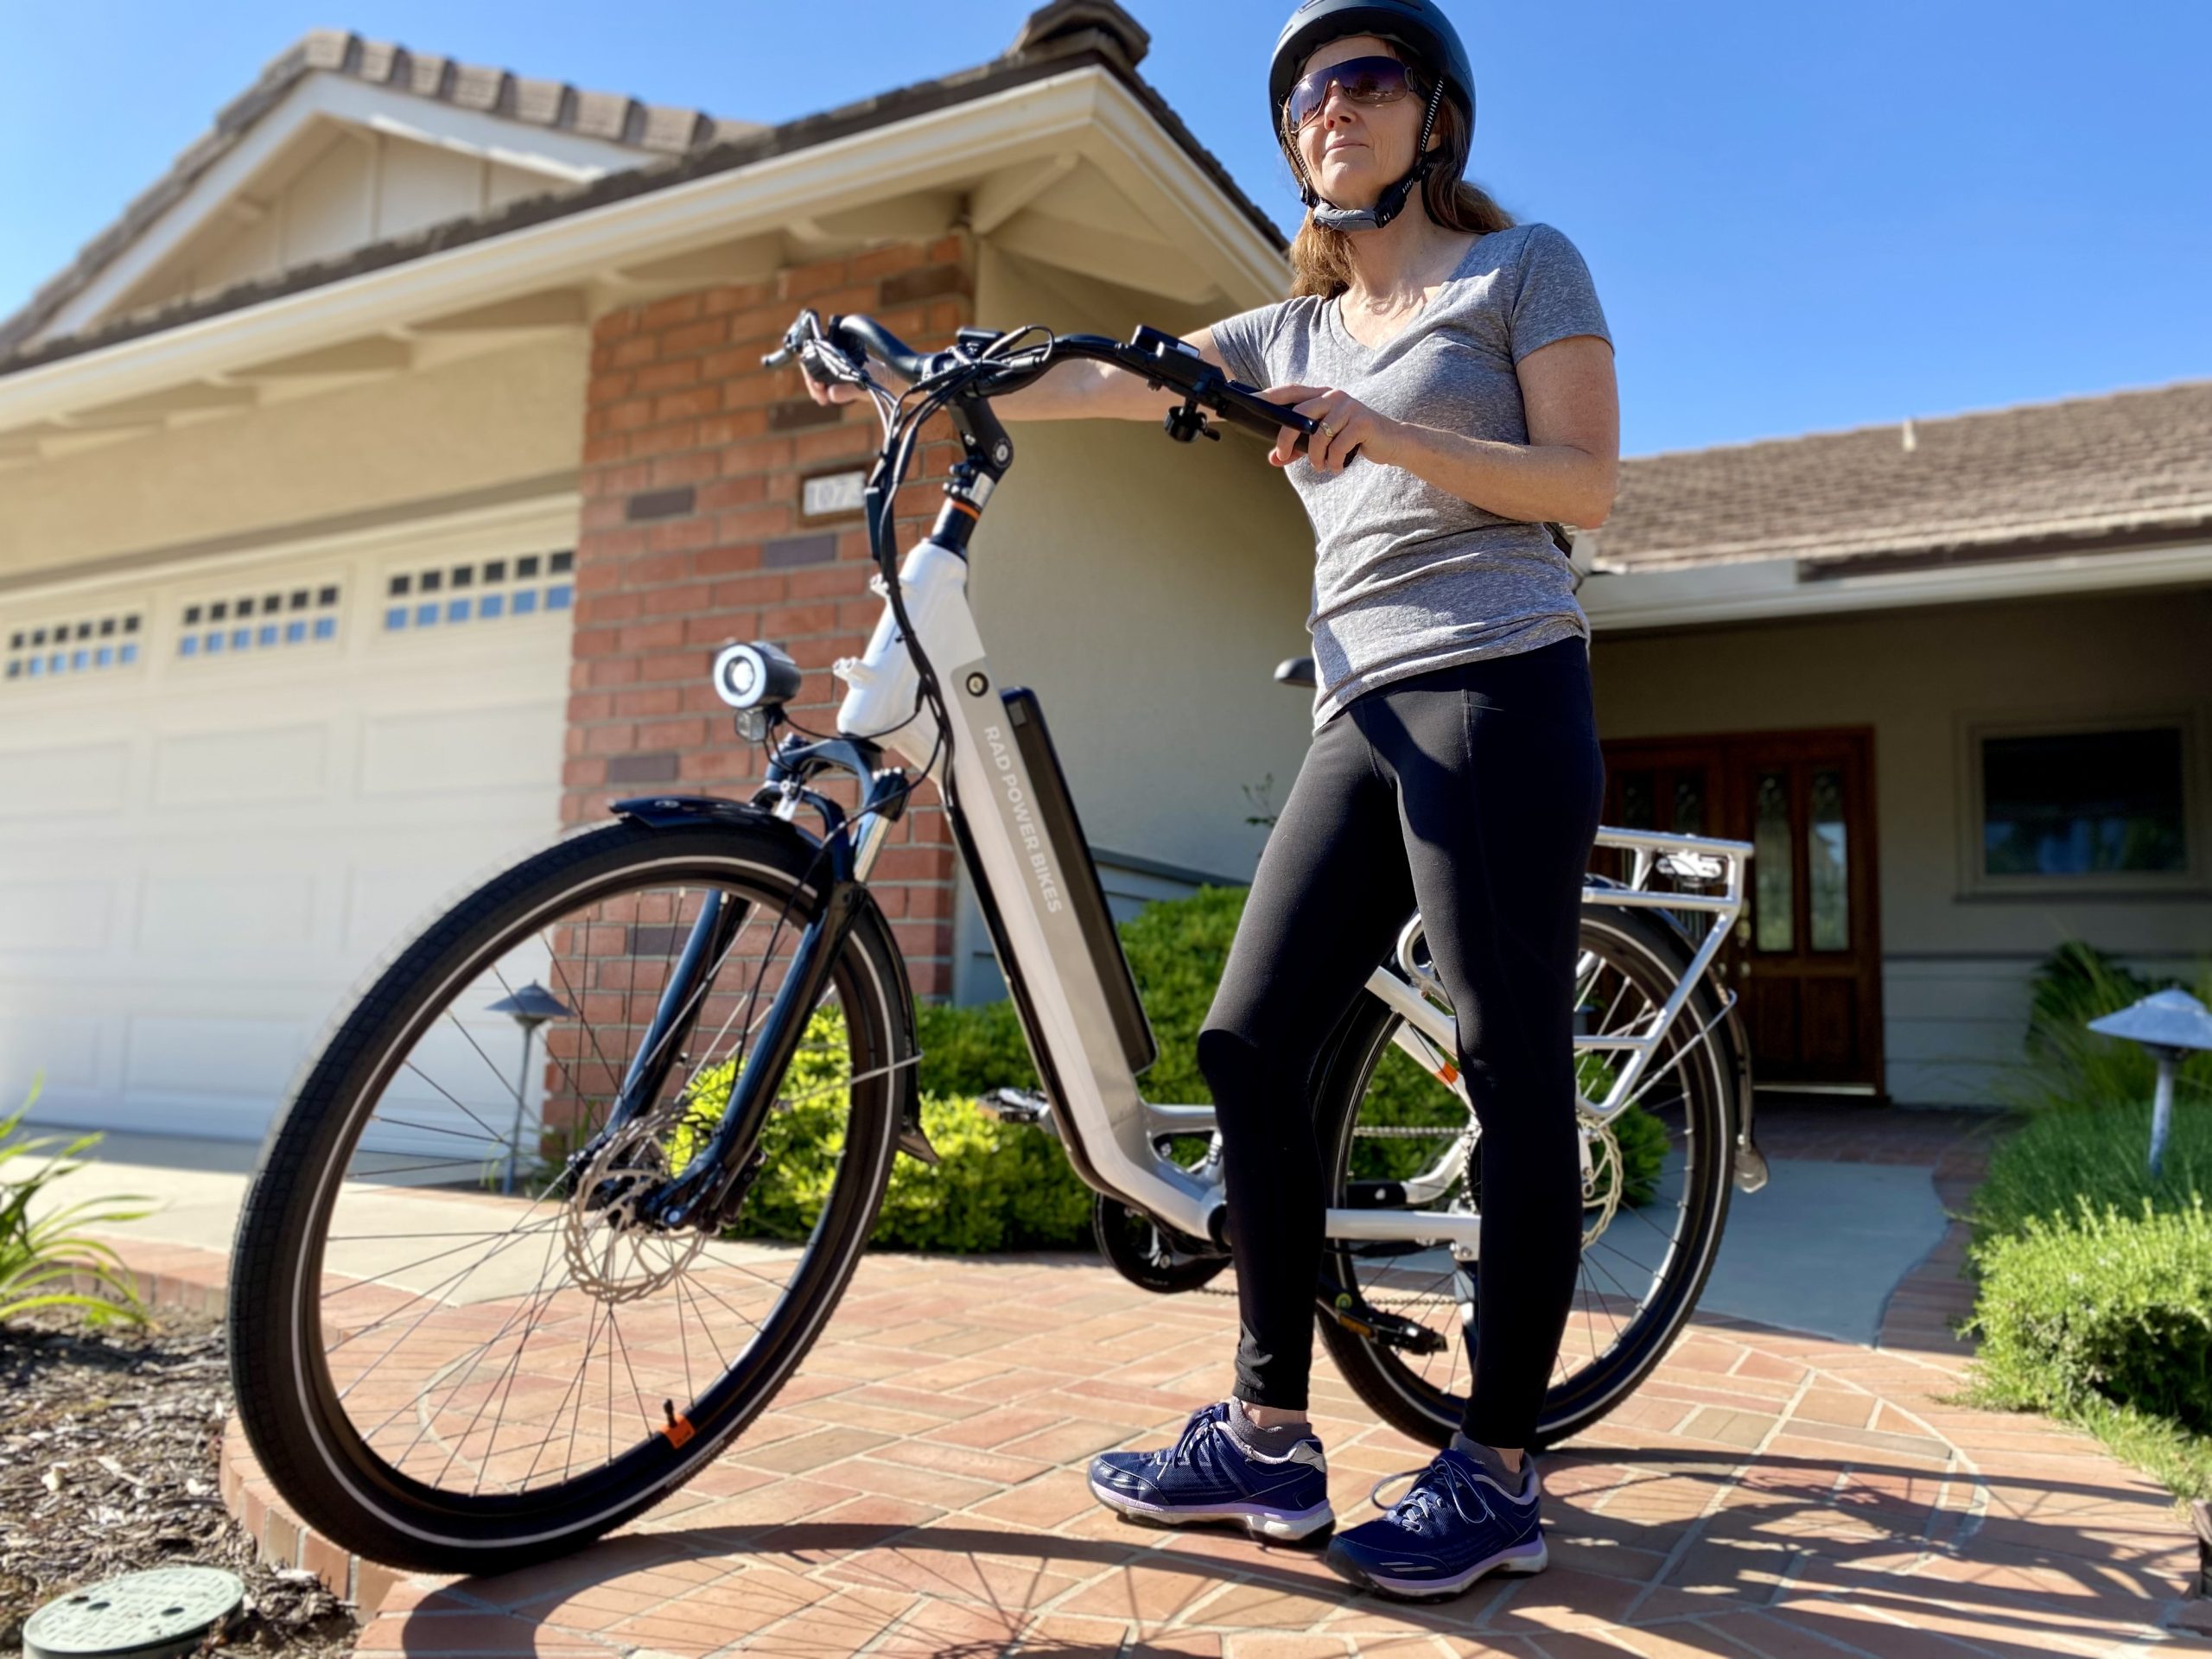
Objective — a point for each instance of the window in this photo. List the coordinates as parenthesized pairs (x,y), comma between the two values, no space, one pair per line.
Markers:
(269,622)
(2094,807)
(77,645)
(493,590)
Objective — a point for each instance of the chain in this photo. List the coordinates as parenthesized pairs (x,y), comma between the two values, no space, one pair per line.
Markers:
(1412,1131)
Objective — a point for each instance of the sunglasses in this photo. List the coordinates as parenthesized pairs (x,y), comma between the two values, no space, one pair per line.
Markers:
(1366,81)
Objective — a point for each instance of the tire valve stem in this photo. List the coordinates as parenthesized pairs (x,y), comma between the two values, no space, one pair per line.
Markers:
(680,1429)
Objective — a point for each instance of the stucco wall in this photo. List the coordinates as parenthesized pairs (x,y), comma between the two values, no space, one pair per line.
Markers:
(1954,963)
(478,421)
(1146,589)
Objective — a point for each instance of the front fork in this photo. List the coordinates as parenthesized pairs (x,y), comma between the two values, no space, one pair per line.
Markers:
(715,1179)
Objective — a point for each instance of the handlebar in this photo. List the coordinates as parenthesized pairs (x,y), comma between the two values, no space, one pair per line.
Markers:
(840,347)
(1161,358)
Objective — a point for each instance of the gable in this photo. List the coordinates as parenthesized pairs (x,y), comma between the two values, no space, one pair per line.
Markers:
(335,187)
(343,143)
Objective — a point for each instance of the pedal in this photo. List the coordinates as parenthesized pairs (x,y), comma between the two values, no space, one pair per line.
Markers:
(1350,1310)
(1011,1105)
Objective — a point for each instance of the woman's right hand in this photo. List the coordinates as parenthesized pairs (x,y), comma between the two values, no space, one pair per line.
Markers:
(838,391)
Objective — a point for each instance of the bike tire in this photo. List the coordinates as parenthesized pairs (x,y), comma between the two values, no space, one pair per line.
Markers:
(285,1400)
(1656,956)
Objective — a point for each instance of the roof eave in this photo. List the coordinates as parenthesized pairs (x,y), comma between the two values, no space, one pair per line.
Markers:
(822,164)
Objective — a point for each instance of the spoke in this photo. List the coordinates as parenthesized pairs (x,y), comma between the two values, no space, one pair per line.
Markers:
(539,1297)
(424,1262)
(578,1387)
(435,1128)
(568,1071)
(701,1285)
(456,1281)
(411,1169)
(505,1083)
(497,1139)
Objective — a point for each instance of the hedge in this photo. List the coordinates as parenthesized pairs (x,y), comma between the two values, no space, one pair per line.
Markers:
(2094,1300)
(2101,1307)
(1007,1186)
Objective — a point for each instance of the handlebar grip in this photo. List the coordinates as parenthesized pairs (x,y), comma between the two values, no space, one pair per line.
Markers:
(865,336)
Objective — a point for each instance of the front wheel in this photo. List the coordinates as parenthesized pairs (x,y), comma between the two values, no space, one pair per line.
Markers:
(459,1339)
(1656,1189)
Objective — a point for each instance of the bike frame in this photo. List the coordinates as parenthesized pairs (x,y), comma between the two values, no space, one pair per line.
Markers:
(1026,868)
(1015,828)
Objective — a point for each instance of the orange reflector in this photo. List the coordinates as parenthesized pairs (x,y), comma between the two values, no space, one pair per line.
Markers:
(1450,1072)
(680,1429)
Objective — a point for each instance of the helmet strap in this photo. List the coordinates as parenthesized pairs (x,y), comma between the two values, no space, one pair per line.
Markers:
(1392,201)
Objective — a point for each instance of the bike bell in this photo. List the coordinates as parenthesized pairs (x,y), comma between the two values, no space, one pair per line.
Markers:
(1419,30)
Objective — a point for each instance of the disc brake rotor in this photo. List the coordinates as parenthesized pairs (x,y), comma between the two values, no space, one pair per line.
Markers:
(1602,1177)
(613,1255)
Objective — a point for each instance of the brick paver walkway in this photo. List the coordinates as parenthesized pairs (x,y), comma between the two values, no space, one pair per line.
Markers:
(918,1489)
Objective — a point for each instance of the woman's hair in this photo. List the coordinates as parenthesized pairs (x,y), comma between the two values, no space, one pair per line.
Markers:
(1320,259)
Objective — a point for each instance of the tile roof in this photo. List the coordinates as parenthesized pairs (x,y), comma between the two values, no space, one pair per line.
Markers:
(614,117)
(1061,36)
(2129,466)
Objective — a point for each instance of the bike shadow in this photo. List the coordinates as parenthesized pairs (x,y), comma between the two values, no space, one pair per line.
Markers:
(1786,1554)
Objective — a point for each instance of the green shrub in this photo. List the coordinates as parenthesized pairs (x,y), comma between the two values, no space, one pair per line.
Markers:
(997,1185)
(38,1254)
(2102,1309)
(2059,1161)
(1006,1187)
(971,1051)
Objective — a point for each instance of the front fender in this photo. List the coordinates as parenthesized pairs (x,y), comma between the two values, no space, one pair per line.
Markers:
(679,811)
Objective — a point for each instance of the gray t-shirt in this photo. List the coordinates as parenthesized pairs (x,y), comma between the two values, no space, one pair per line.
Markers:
(1409,577)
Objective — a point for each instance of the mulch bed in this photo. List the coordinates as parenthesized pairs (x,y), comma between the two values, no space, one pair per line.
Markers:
(108,1445)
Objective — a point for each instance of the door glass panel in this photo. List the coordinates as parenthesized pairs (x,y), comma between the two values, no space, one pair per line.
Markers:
(1636,801)
(1770,862)
(1827,884)
(1689,803)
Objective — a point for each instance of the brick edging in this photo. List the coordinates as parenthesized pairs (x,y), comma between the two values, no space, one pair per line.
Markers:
(194,1280)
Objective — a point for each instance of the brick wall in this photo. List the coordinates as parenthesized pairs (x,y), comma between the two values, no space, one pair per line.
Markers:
(691,536)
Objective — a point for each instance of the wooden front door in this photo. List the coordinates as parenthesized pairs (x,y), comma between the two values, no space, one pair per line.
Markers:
(1805,958)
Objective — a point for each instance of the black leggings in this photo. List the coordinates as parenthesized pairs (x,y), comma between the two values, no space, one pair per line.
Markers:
(1472,792)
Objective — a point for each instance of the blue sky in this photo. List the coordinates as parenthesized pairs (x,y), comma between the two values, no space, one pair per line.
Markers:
(1800,218)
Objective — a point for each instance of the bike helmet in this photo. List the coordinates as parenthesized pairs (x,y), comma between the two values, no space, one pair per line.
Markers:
(1420,30)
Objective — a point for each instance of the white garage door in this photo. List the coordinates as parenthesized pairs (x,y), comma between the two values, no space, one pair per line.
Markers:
(227,789)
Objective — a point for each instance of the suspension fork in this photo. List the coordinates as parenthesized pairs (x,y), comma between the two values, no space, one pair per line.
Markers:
(721,917)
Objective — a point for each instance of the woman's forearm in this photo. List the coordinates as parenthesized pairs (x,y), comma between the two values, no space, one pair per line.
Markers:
(1080,389)
(1533,482)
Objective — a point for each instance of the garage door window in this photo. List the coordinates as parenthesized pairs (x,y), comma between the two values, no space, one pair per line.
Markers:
(479,590)
(241,624)
(65,646)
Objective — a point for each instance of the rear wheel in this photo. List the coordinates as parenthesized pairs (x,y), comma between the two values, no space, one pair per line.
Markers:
(456,1342)
(1655,1192)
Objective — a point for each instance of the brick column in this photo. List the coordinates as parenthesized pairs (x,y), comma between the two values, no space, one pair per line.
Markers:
(691,537)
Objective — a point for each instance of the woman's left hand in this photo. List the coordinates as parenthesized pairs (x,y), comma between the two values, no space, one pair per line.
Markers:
(1346,424)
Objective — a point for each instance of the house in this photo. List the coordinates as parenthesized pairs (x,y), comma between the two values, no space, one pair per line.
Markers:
(374,493)
(1954,679)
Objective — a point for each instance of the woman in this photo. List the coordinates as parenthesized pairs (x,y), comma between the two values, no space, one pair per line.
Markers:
(1462,373)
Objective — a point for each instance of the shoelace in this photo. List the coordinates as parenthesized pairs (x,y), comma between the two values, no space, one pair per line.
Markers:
(1436,1484)
(1193,1432)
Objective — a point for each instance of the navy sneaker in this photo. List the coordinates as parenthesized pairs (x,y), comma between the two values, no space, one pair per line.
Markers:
(1455,1524)
(1208,1475)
